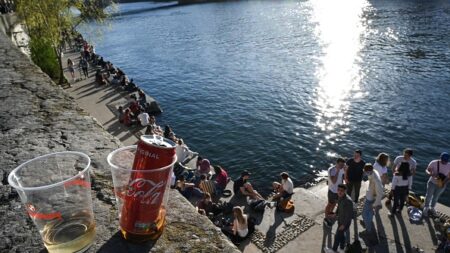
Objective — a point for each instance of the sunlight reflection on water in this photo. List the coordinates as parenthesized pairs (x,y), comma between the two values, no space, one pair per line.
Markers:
(339,28)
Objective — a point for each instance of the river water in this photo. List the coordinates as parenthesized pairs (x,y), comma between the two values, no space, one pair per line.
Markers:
(273,86)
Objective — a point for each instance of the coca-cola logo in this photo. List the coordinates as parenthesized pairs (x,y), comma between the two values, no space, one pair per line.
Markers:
(146,190)
(148,154)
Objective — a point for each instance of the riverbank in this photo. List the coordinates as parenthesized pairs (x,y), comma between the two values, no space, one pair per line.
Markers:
(38,117)
(302,231)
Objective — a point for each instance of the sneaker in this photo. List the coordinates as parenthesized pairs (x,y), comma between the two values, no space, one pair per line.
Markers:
(432,211)
(328,250)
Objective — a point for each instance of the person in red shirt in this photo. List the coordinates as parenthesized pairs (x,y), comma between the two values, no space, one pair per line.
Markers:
(221,179)
(127,121)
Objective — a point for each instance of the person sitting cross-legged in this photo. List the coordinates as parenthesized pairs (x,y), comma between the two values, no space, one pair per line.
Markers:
(285,189)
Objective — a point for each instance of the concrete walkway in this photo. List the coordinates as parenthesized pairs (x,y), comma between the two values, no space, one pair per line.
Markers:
(101,101)
(302,231)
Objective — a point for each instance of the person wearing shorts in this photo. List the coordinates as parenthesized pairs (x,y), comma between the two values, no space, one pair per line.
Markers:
(335,177)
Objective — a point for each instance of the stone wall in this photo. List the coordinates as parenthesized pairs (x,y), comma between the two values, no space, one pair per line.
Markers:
(38,117)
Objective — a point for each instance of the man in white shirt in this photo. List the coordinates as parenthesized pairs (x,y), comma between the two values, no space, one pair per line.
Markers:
(335,177)
(144,118)
(374,195)
(285,189)
(439,170)
(405,158)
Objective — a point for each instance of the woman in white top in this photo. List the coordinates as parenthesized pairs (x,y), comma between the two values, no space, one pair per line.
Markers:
(240,224)
(380,165)
(401,184)
(239,230)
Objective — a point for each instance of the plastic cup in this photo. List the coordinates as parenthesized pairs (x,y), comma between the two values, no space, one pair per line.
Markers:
(141,196)
(56,191)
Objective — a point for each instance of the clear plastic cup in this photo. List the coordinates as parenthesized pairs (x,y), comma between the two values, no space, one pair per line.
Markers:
(56,191)
(141,196)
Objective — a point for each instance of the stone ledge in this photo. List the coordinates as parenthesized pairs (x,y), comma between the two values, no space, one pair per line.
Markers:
(38,117)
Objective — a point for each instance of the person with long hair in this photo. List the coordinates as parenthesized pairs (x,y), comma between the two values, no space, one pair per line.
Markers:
(380,165)
(401,184)
(70,67)
(239,230)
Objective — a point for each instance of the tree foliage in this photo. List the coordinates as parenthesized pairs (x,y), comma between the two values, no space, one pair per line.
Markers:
(49,21)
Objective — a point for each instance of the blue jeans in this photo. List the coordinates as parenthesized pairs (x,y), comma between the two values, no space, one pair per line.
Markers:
(433,193)
(367,214)
(339,238)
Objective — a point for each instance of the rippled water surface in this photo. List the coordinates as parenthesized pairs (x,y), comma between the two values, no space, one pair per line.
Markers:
(290,85)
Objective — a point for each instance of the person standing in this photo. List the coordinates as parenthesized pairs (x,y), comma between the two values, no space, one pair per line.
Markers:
(335,177)
(70,67)
(401,184)
(405,158)
(439,171)
(354,174)
(374,195)
(380,165)
(84,66)
(345,213)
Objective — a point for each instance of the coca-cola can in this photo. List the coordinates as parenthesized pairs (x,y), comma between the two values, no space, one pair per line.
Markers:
(143,197)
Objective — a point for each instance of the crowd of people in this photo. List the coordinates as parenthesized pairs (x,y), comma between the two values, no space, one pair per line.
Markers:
(207,183)
(345,179)
(105,72)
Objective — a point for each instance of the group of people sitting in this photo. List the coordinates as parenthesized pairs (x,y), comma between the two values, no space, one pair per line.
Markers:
(346,176)
(203,183)
(136,112)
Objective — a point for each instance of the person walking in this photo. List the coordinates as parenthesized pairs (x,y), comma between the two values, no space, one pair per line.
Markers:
(439,172)
(344,216)
(84,66)
(70,67)
(335,177)
(374,195)
(401,184)
(354,174)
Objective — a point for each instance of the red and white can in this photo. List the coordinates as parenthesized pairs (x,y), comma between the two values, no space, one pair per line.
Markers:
(143,213)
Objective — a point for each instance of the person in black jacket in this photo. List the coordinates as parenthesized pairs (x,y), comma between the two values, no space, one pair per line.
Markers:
(344,218)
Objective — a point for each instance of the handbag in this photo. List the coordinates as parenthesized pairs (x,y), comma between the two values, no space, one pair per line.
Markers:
(440,179)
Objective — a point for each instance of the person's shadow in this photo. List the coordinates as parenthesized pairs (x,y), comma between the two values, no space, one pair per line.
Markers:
(382,238)
(398,246)
(406,240)
(432,230)
(271,232)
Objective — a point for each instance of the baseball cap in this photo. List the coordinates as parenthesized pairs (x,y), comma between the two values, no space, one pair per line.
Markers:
(245,173)
(444,157)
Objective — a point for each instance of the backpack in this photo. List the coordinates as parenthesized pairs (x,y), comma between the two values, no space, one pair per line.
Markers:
(286,205)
